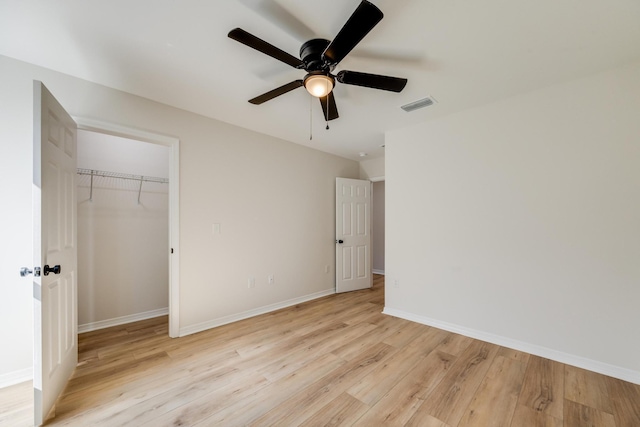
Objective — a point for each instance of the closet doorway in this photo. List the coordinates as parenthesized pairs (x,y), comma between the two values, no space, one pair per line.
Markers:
(125,252)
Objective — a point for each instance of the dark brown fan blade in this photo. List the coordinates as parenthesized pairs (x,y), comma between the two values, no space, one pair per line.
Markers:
(276,92)
(331,110)
(260,45)
(365,17)
(375,81)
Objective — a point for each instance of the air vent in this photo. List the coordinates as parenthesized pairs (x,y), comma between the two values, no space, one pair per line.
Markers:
(421,103)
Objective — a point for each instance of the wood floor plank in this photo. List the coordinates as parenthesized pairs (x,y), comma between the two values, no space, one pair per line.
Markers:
(513,354)
(455,344)
(96,397)
(400,404)
(495,400)
(344,410)
(369,315)
(15,397)
(525,416)
(263,343)
(450,398)
(587,388)
(430,371)
(422,419)
(204,406)
(295,355)
(374,386)
(404,335)
(577,415)
(242,405)
(103,365)
(342,311)
(543,387)
(625,398)
(395,408)
(150,407)
(428,340)
(87,357)
(325,389)
(16,407)
(115,375)
(352,348)
(129,404)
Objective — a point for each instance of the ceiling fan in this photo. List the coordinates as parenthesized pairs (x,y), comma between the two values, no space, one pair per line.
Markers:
(319,57)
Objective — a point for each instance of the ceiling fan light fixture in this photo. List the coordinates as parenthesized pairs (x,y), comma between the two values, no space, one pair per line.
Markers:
(319,57)
(318,85)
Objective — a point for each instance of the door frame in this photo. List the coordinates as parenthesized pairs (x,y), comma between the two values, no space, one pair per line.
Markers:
(374,179)
(174,202)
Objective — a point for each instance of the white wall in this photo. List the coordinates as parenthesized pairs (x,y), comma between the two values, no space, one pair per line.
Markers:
(116,154)
(377,223)
(123,246)
(372,168)
(123,251)
(518,222)
(274,200)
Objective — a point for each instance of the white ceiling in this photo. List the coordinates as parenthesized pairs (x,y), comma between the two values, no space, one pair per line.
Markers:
(464,53)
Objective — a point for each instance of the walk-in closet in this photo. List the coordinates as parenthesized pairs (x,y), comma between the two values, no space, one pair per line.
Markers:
(123,230)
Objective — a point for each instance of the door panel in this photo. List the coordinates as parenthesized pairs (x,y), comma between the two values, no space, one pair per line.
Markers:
(55,294)
(353,228)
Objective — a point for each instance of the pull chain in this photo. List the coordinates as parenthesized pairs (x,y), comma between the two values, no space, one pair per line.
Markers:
(327,118)
(328,93)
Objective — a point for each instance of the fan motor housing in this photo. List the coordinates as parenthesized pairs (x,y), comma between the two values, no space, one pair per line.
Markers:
(311,54)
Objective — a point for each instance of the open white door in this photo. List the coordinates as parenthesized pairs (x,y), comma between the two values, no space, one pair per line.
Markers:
(54,288)
(353,234)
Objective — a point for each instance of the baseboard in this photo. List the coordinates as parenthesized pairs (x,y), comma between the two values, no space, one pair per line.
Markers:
(94,326)
(16,377)
(188,330)
(569,359)
(378,272)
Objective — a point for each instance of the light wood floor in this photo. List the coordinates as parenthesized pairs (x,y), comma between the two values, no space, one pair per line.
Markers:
(333,361)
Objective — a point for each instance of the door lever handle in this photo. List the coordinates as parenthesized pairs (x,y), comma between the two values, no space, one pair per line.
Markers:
(55,269)
(24,271)
(340,241)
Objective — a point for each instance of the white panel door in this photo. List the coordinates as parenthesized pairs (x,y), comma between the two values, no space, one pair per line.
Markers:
(353,234)
(55,289)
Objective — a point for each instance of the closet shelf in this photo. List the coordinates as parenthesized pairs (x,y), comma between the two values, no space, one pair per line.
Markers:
(104,174)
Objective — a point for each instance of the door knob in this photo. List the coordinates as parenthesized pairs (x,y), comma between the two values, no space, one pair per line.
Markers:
(24,271)
(55,269)
(340,241)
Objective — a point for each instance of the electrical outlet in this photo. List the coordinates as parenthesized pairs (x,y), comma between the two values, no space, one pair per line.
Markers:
(396,283)
(270,279)
(327,268)
(252,282)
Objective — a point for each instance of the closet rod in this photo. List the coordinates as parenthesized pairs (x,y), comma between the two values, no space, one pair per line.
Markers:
(105,174)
